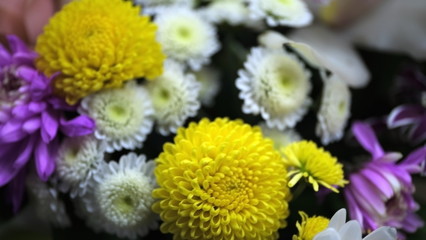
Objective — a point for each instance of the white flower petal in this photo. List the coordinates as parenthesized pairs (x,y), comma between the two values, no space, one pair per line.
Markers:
(350,231)
(338,219)
(382,233)
(335,53)
(382,30)
(328,234)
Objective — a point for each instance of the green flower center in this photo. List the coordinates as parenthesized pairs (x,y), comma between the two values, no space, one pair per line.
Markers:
(125,204)
(117,113)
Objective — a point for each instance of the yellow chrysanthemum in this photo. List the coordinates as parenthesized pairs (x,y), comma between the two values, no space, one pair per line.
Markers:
(221,180)
(315,164)
(310,226)
(97,44)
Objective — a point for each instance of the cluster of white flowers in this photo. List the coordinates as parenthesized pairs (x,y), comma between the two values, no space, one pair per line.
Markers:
(279,90)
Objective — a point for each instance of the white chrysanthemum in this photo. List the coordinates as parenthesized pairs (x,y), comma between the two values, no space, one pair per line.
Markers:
(275,84)
(185,36)
(174,96)
(233,12)
(279,137)
(334,53)
(123,116)
(78,159)
(334,111)
(293,13)
(47,203)
(208,77)
(339,229)
(120,200)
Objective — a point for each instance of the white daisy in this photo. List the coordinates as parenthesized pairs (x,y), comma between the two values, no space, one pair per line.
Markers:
(208,77)
(121,199)
(293,13)
(175,97)
(333,53)
(47,203)
(78,159)
(334,110)
(123,116)
(279,137)
(185,36)
(339,229)
(275,84)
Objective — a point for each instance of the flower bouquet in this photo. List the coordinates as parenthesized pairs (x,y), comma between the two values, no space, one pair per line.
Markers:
(221,119)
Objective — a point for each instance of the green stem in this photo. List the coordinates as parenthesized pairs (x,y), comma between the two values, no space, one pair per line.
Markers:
(299,189)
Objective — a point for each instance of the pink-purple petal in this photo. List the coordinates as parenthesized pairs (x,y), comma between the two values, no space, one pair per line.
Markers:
(375,178)
(413,161)
(366,137)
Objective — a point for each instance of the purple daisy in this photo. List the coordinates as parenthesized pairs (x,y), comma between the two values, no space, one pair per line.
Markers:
(381,193)
(31,119)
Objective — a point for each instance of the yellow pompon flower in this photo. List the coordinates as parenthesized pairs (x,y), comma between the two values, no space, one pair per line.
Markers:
(97,44)
(305,159)
(221,180)
(310,226)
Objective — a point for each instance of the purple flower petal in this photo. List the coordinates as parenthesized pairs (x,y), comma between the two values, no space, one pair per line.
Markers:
(368,193)
(21,54)
(49,127)
(13,157)
(27,73)
(412,222)
(4,116)
(16,189)
(375,178)
(79,126)
(413,161)
(22,112)
(31,125)
(7,158)
(5,57)
(404,115)
(45,155)
(366,137)
(60,104)
(418,132)
(354,209)
(37,107)
(12,131)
